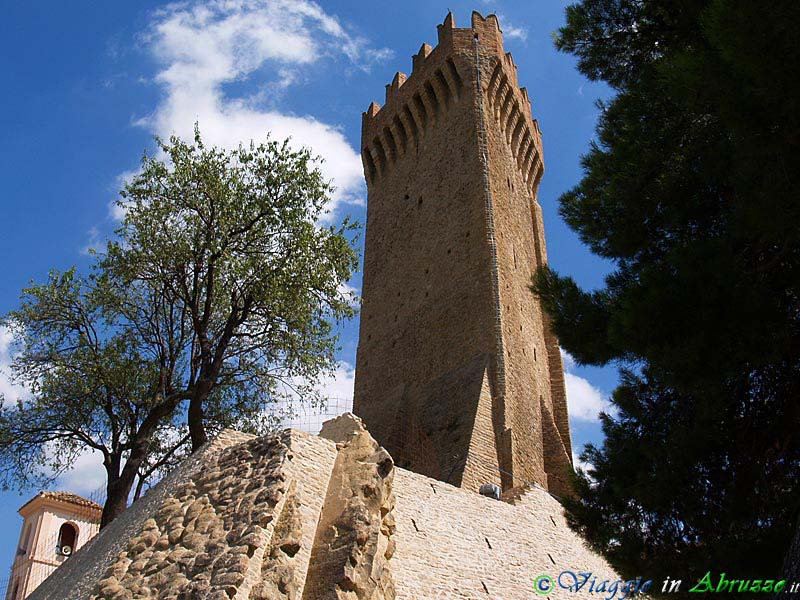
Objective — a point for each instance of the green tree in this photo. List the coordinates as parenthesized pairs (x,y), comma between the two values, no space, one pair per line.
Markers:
(233,239)
(217,299)
(94,384)
(691,190)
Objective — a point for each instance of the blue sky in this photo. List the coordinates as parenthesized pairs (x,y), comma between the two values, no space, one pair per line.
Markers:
(88,85)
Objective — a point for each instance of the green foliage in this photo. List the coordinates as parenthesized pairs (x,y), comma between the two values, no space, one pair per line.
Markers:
(92,386)
(217,299)
(231,241)
(691,189)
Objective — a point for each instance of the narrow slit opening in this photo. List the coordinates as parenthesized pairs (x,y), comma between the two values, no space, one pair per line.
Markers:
(433,98)
(401,133)
(423,113)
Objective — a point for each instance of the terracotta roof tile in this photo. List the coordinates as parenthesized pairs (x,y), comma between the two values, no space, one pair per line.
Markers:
(67,497)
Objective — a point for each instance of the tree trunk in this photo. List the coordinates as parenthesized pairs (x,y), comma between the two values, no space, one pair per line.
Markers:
(118,489)
(120,484)
(197,427)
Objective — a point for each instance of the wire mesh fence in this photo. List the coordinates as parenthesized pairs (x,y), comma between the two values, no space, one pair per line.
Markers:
(310,419)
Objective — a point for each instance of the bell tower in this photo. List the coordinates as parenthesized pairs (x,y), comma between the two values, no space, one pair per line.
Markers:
(55,525)
(458,373)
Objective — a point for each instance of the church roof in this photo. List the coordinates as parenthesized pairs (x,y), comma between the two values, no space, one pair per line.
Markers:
(66,497)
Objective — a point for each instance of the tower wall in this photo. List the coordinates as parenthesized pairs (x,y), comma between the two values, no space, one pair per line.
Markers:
(454,365)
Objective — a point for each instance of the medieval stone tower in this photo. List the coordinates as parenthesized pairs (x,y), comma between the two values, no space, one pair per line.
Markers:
(458,374)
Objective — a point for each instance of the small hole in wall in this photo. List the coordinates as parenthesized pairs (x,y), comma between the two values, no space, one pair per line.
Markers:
(467,234)
(426,271)
(449,250)
(406,197)
(426,294)
(369,337)
(534,354)
(508,181)
(419,202)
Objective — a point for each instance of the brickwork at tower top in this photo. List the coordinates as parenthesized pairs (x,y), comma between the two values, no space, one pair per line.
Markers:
(458,373)
(388,131)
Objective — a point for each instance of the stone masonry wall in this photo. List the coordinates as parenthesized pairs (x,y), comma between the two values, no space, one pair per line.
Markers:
(533,369)
(353,543)
(209,538)
(299,517)
(78,576)
(427,308)
(455,544)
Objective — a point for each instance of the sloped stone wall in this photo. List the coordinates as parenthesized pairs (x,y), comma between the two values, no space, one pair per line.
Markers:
(354,537)
(293,516)
(77,577)
(204,541)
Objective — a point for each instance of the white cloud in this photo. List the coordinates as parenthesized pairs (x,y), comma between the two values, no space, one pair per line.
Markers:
(87,476)
(339,385)
(351,292)
(580,464)
(116,208)
(8,390)
(585,401)
(204,46)
(95,244)
(337,388)
(511,31)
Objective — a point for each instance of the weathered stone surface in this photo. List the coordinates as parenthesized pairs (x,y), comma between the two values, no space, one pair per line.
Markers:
(78,576)
(342,428)
(278,577)
(351,548)
(210,539)
(345,525)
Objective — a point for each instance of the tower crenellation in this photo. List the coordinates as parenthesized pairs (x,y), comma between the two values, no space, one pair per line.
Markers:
(412,102)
